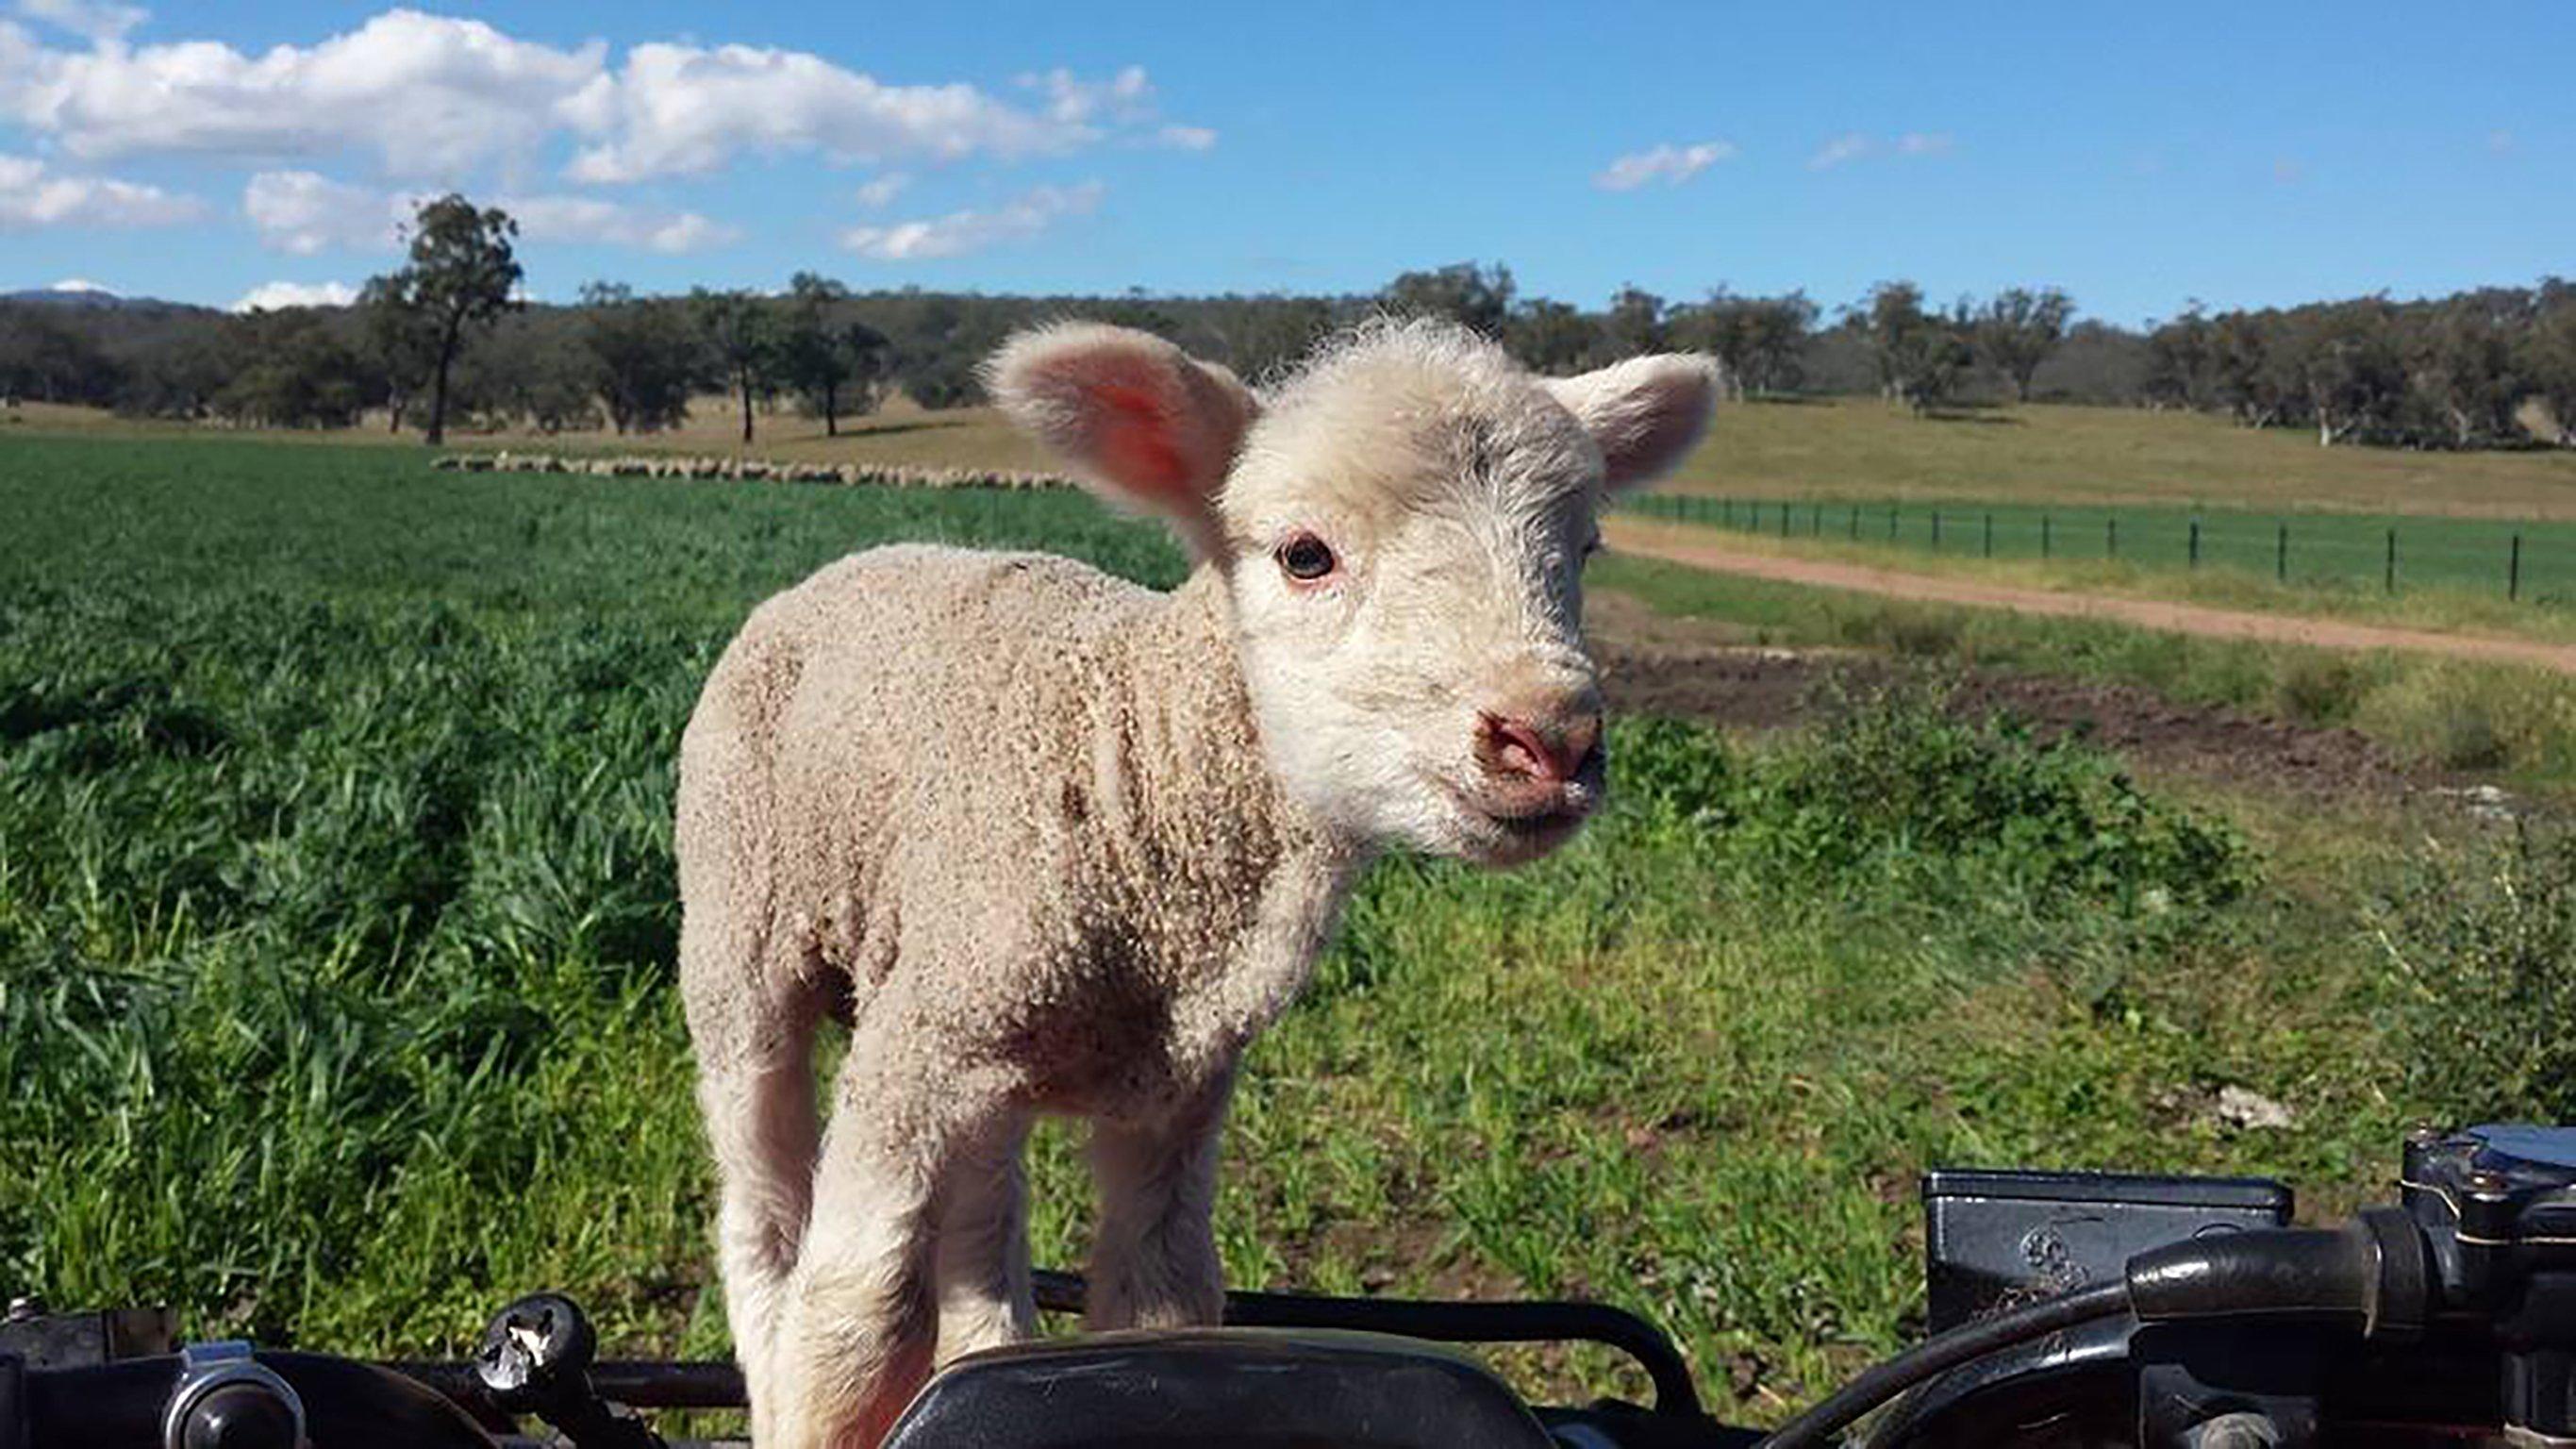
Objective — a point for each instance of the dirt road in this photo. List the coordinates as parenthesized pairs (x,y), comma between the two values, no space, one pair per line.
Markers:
(1678,545)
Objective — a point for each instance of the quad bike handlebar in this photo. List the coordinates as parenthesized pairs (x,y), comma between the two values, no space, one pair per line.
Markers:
(2070,1310)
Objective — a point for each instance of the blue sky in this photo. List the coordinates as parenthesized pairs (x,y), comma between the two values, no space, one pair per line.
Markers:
(2135,155)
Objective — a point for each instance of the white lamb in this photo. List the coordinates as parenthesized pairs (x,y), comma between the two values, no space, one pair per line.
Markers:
(1056,843)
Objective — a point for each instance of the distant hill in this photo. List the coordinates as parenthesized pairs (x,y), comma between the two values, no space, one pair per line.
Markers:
(89,298)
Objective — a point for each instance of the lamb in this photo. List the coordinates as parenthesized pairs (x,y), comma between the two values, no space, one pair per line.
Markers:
(1050,842)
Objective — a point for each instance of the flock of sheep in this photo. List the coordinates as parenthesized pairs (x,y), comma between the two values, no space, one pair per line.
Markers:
(1049,842)
(633,465)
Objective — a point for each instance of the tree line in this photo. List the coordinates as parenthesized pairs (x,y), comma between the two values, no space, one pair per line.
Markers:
(448,339)
(2489,368)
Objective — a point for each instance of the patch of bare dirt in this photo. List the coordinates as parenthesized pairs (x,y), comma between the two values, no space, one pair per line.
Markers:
(1687,669)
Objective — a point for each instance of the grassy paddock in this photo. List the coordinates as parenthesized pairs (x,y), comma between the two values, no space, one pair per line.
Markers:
(2450,573)
(2451,714)
(1837,449)
(336,928)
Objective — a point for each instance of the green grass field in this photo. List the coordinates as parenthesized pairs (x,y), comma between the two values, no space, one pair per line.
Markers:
(2341,557)
(336,925)
(1842,464)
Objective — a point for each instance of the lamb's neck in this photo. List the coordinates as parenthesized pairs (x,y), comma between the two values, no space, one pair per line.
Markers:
(1275,872)
(1187,678)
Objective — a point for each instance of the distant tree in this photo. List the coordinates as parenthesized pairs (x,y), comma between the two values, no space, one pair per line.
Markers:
(1262,336)
(2016,331)
(1758,341)
(1920,353)
(1464,292)
(177,374)
(2464,368)
(534,368)
(462,275)
(2097,363)
(829,357)
(2182,360)
(298,374)
(2549,357)
(402,342)
(1633,326)
(646,353)
(2250,374)
(46,355)
(1551,337)
(741,333)
(2350,373)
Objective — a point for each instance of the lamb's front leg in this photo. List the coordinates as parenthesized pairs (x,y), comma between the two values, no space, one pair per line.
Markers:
(1154,1262)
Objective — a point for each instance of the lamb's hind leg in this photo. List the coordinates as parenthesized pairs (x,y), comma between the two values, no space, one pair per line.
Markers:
(861,1318)
(756,1095)
(982,1272)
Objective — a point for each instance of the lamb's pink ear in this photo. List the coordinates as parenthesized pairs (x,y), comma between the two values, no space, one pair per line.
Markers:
(1645,412)
(1142,423)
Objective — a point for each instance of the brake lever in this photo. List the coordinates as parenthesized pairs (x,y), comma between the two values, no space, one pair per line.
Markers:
(535,1358)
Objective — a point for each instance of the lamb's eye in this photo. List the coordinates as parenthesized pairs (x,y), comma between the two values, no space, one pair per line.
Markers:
(1305,558)
(1591,545)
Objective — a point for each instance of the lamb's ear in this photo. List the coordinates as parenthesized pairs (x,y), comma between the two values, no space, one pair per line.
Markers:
(1142,423)
(1645,412)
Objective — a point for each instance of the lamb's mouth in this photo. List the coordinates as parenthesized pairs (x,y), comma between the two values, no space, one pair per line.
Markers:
(1523,826)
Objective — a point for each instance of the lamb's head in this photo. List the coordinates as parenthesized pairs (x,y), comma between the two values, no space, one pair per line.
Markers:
(1401,526)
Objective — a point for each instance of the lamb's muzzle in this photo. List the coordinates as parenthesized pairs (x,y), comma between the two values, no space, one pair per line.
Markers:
(1061,844)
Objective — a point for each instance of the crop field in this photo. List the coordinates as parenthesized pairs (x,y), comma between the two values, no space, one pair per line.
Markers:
(337,925)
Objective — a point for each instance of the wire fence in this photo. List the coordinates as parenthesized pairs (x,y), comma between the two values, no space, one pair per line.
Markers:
(2525,561)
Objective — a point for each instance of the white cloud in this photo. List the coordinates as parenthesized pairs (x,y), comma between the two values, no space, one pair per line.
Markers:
(271,296)
(1854,145)
(683,110)
(1849,146)
(959,232)
(1126,96)
(883,189)
(432,96)
(1186,138)
(91,19)
(76,284)
(590,219)
(301,213)
(1668,163)
(32,195)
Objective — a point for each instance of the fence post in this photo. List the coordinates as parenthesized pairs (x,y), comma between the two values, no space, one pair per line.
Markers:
(1855,523)
(1784,518)
(2390,582)
(2195,543)
(1990,535)
(2513,572)
(1891,523)
(2111,536)
(2281,554)
(1815,520)
(1936,530)
(2043,535)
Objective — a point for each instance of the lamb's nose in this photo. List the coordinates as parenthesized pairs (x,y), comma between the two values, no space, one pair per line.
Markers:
(1550,751)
